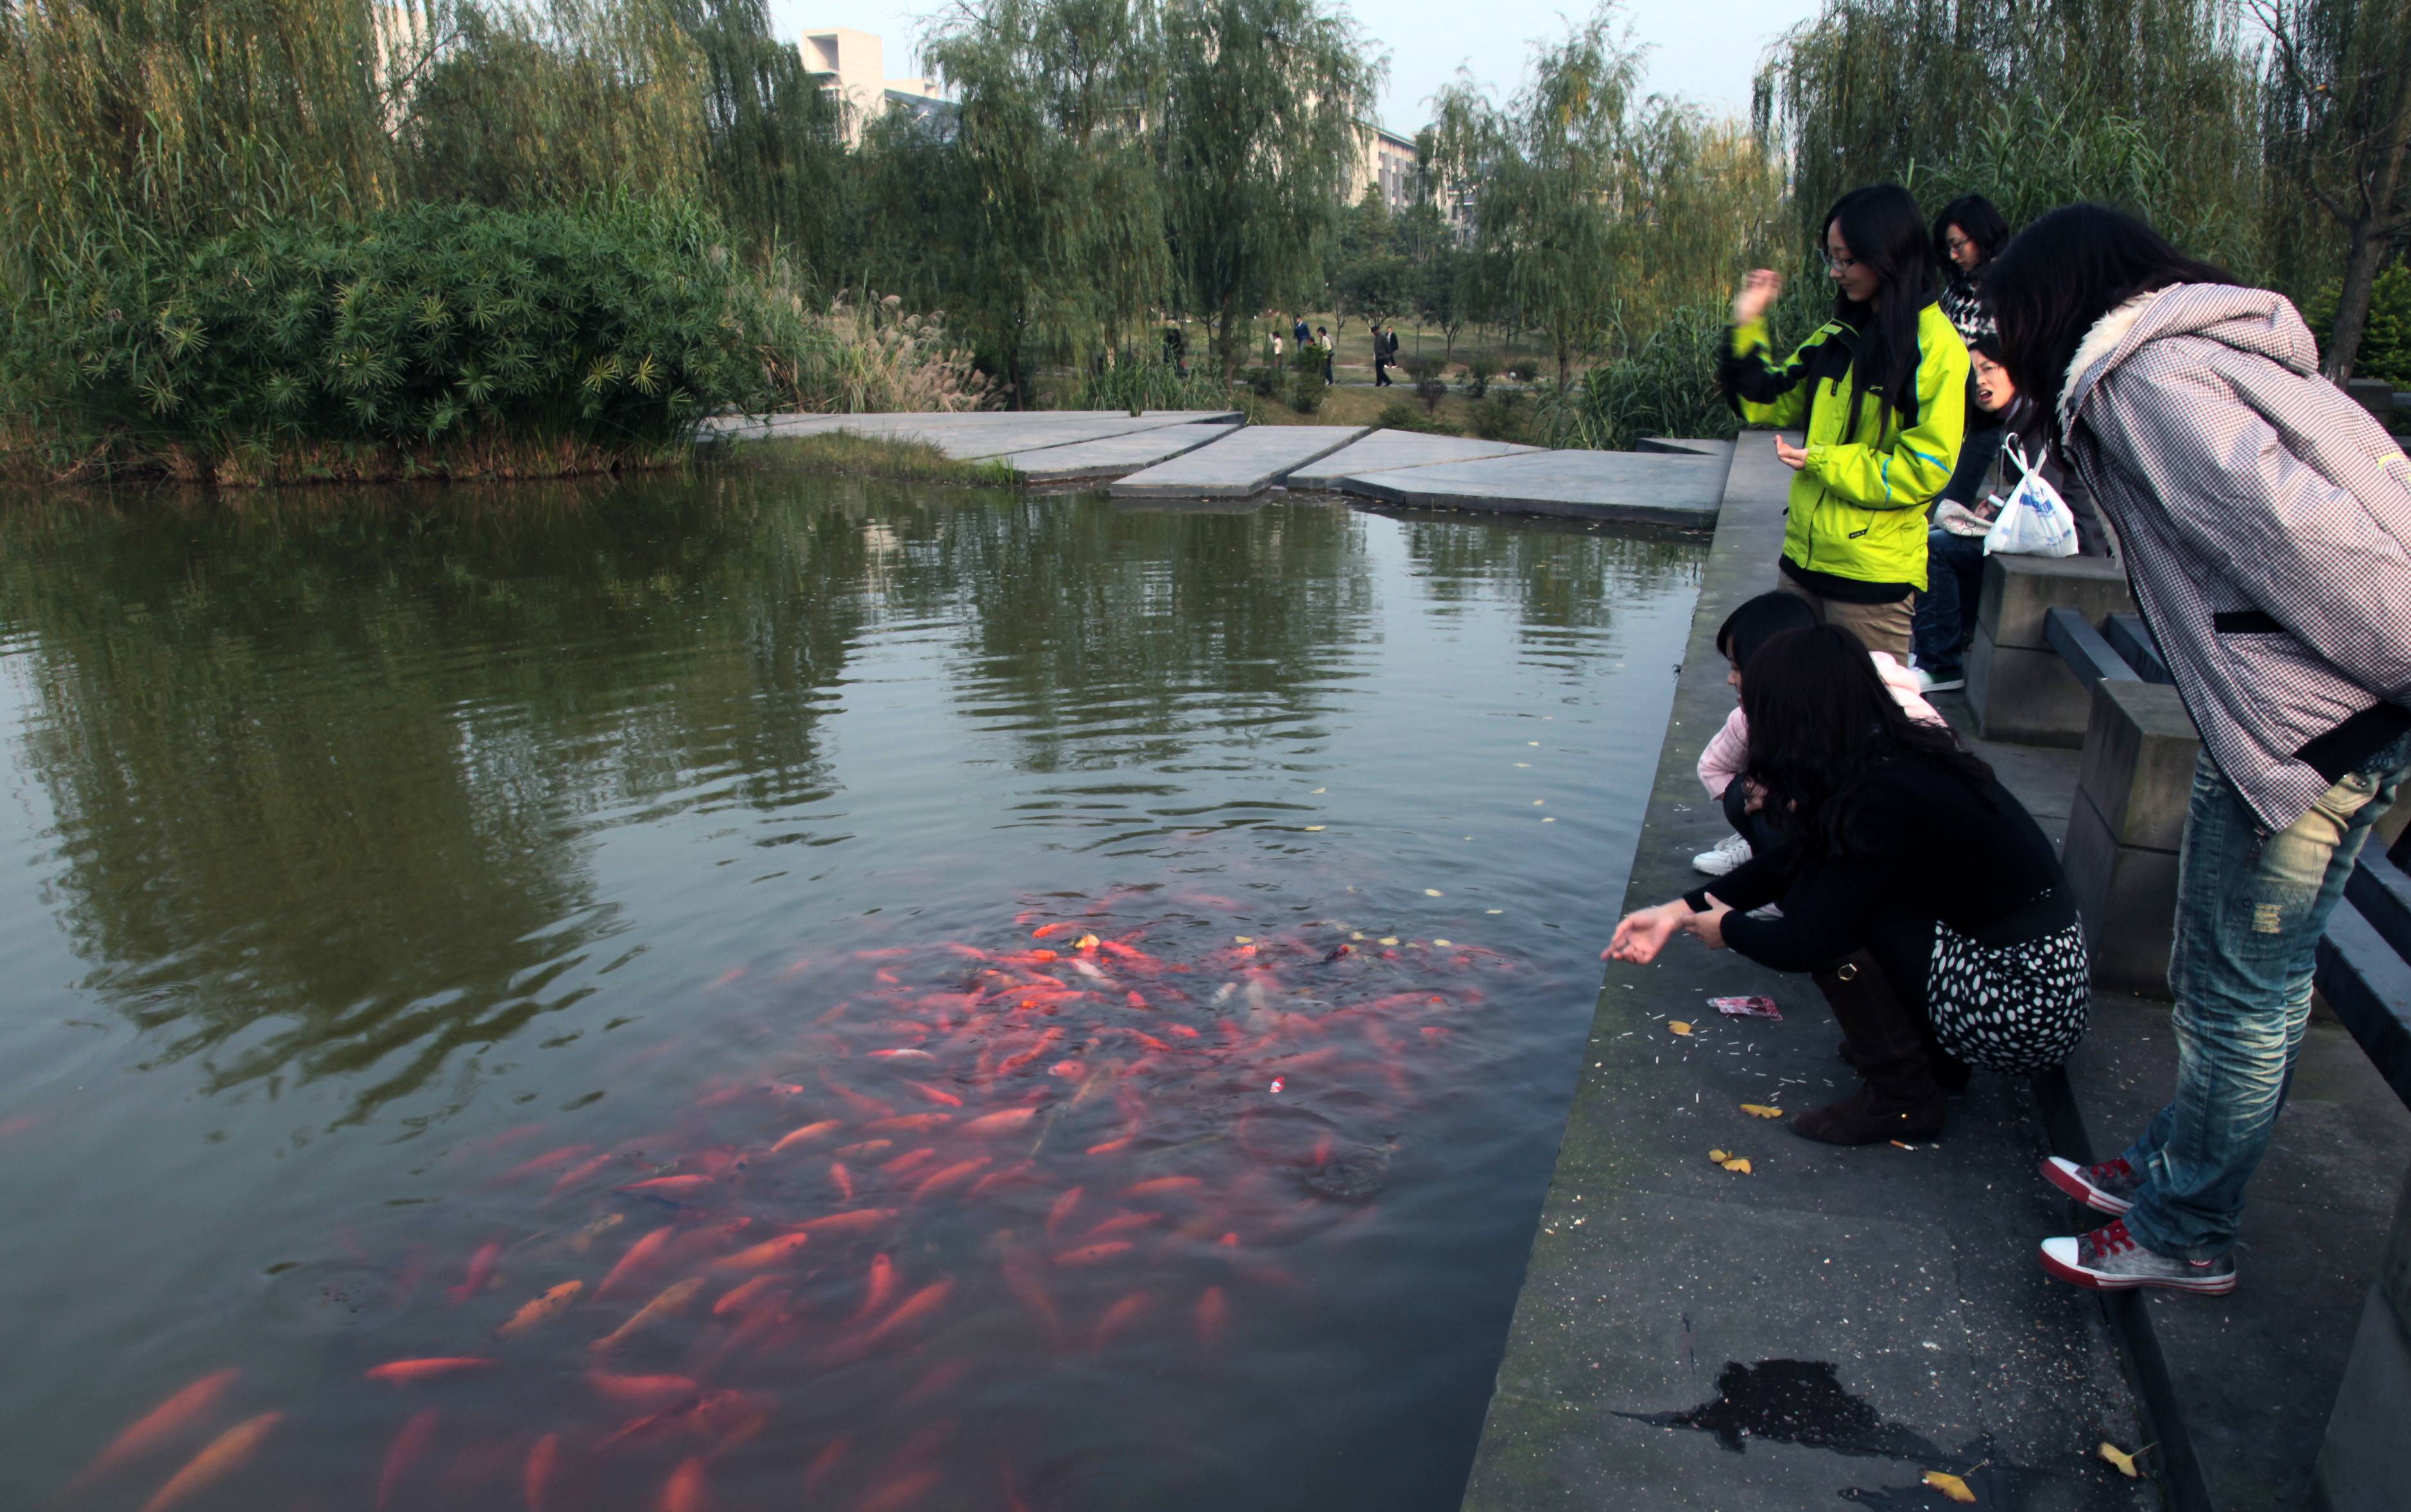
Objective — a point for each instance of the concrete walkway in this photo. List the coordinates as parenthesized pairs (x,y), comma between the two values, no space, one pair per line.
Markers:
(1240,466)
(1835,1323)
(1680,489)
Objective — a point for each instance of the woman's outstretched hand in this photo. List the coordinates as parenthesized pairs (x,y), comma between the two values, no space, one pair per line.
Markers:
(1639,936)
(1758,290)
(1794,457)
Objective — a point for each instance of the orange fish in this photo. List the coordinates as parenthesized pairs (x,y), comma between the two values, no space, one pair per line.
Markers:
(937,1382)
(640,1391)
(576,1173)
(954,1175)
(1120,1317)
(901,1053)
(825,1464)
(684,1490)
(162,1424)
(535,1476)
(1213,1315)
(412,1372)
(640,1255)
(1001,1123)
(906,1161)
(1111,1146)
(741,1296)
(538,1311)
(936,1094)
(909,1123)
(230,1452)
(800,1136)
(1121,1223)
(922,1304)
(843,1178)
(998,1178)
(899,1493)
(668,1185)
(481,1271)
(668,1304)
(545,1162)
(1025,1287)
(852,1222)
(1162,1186)
(408,1445)
(1093,1254)
(1050,931)
(865,1147)
(1061,1211)
(866,1107)
(770,1252)
(881,1285)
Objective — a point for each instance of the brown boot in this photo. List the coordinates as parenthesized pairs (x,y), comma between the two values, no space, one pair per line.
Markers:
(1897,1098)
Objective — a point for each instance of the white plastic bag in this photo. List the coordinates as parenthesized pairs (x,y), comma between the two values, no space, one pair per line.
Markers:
(2034,522)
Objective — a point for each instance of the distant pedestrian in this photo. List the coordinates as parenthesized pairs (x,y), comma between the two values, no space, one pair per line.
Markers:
(1301,333)
(1968,233)
(1922,898)
(1881,391)
(1323,339)
(1276,349)
(2265,522)
(1383,346)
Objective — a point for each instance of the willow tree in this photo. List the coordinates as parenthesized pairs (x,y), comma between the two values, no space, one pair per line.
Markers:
(2339,127)
(2152,105)
(1045,234)
(1261,135)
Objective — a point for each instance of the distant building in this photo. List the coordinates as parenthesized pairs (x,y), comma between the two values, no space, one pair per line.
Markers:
(852,65)
(1386,160)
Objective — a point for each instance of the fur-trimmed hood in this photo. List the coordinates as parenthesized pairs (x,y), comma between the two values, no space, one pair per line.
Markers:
(2249,320)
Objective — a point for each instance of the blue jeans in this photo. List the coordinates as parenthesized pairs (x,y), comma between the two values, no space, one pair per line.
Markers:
(2251,906)
(1945,611)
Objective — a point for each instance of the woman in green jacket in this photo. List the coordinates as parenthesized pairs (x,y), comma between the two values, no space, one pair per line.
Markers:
(1882,389)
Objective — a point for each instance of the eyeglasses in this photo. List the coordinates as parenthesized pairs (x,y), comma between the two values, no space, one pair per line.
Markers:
(1955,245)
(1839,265)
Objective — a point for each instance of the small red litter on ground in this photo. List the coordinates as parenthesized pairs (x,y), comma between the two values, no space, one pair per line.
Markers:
(1747,1007)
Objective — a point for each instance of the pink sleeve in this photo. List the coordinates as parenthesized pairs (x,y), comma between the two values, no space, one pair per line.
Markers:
(1721,761)
(1903,685)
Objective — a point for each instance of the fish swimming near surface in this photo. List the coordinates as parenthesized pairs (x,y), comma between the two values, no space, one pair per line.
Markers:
(950,1176)
(536,1312)
(536,1475)
(922,1305)
(741,1296)
(1213,1316)
(670,1304)
(1093,1254)
(1118,1319)
(412,1372)
(684,1491)
(1007,1121)
(406,1450)
(906,1491)
(641,1254)
(857,1220)
(877,1290)
(640,1391)
(481,1273)
(230,1452)
(842,1179)
(162,1425)
(805,1135)
(769,1252)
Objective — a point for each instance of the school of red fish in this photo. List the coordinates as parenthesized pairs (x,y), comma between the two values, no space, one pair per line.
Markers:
(954,1163)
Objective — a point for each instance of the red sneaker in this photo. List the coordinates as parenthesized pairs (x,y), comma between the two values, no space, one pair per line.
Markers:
(2110,1260)
(2109,1187)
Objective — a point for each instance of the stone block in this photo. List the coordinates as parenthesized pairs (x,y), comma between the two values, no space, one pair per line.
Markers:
(2127,897)
(2018,590)
(2139,746)
(2025,694)
(2359,1467)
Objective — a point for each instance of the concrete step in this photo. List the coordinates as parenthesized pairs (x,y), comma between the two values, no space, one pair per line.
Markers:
(1114,456)
(1240,465)
(1655,488)
(1386,451)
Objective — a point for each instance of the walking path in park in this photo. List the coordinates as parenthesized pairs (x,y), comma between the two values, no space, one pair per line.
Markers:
(1837,1322)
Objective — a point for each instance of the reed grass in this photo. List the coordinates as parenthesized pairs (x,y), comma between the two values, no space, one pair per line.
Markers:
(871,456)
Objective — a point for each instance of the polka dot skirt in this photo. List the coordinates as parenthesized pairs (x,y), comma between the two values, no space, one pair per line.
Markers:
(2011,1007)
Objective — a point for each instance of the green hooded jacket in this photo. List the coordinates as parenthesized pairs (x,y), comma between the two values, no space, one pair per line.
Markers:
(1858,506)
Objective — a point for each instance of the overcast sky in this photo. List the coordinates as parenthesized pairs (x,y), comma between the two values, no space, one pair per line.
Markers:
(1703,49)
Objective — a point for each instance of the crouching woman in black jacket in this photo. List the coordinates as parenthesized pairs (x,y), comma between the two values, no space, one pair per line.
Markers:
(1923,897)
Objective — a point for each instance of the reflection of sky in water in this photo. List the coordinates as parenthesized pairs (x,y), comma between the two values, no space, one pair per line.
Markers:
(335,840)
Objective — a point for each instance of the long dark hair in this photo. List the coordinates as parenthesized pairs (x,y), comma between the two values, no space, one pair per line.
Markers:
(1980,220)
(2062,274)
(1757,620)
(1820,719)
(1885,231)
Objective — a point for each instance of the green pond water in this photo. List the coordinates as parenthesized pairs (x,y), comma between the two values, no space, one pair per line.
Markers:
(815,993)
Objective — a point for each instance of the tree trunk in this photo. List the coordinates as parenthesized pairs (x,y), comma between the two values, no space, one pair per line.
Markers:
(2372,234)
(1225,347)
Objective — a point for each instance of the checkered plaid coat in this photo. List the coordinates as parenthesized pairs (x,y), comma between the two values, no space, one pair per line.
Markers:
(2266,522)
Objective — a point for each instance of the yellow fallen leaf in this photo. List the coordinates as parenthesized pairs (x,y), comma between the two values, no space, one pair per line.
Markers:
(1679,1027)
(1760,1109)
(1719,1157)
(2125,1461)
(1738,1165)
(1312,828)
(1433,891)
(1245,940)
(1085,943)
(1387,939)
(1950,1486)
(1441,944)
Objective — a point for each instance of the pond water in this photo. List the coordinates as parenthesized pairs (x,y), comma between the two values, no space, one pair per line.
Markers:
(761,991)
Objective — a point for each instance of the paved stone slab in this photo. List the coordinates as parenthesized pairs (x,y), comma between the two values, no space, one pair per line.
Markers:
(1040,430)
(969,434)
(1238,466)
(1386,451)
(1619,486)
(1115,455)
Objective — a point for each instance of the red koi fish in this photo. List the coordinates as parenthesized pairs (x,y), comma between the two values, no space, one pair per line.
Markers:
(536,1475)
(906,1161)
(885,952)
(741,1296)
(909,1123)
(156,1428)
(924,1303)
(843,1178)
(1050,931)
(865,1147)
(880,1286)
(954,1175)
(825,1464)
(1001,1122)
(899,1493)
(668,1304)
(1213,1315)
(641,1255)
(408,1445)
(777,1251)
(1118,1317)
(863,1107)
(1031,1293)
(412,1372)
(1111,1146)
(1093,1254)
(804,1135)
(937,1382)
(1061,1211)
(1162,1186)
(670,1185)
(856,1221)
(1121,1223)
(578,1174)
(640,1391)
(481,1273)
(684,1490)
(230,1452)
(936,1094)
(535,1312)
(1000,1178)
(545,1162)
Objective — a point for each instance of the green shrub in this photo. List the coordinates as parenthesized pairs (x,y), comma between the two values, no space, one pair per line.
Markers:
(1479,371)
(1666,387)
(1307,386)
(1420,368)
(1402,416)
(435,338)
(1139,383)
(2386,341)
(1503,416)
(1523,370)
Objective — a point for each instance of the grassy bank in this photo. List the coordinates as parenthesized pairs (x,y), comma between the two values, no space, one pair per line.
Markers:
(867,456)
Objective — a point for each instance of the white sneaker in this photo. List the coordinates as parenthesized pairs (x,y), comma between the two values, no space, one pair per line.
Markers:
(1928,683)
(1728,852)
